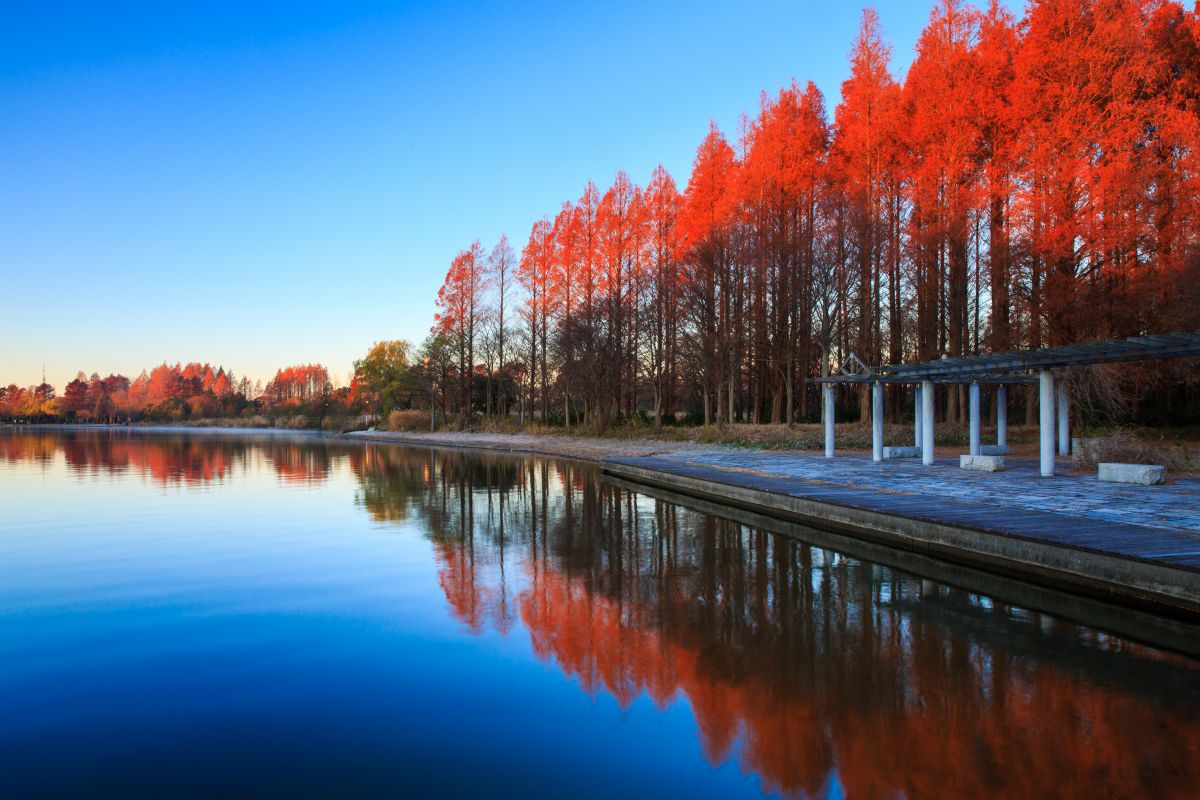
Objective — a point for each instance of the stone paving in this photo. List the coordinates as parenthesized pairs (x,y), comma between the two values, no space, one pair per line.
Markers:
(1174,506)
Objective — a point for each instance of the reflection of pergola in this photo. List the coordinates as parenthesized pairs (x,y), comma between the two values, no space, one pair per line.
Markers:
(1001,369)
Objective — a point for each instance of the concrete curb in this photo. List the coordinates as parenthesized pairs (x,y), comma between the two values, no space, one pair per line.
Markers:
(1127,581)
(1166,632)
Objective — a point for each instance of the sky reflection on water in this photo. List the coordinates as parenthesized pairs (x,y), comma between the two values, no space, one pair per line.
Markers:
(185,615)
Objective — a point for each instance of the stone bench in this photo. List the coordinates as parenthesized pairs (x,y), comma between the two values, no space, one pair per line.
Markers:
(901,452)
(981,463)
(1141,474)
(993,450)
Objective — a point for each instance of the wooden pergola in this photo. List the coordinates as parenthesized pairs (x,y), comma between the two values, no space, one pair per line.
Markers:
(999,369)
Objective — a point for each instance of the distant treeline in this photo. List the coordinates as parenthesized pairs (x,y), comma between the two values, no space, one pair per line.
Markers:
(172,393)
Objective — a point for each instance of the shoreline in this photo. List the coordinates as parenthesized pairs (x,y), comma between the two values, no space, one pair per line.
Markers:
(991,538)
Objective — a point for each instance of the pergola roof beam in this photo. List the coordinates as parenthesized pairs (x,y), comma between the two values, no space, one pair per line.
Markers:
(999,367)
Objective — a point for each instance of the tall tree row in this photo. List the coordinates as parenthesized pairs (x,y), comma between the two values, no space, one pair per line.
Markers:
(1031,181)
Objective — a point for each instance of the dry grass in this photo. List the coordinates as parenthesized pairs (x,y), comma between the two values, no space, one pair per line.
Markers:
(342,423)
(1128,447)
(411,420)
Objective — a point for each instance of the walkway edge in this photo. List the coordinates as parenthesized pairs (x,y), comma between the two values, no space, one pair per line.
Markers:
(1143,584)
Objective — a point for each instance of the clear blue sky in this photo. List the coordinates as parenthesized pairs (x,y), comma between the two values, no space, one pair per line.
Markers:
(258,185)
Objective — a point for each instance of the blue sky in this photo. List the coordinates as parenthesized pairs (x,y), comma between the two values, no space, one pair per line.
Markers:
(258,185)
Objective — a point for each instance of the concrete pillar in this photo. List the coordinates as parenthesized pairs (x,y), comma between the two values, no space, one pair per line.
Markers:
(974,416)
(829,420)
(877,422)
(1001,414)
(1046,421)
(927,422)
(1064,419)
(917,416)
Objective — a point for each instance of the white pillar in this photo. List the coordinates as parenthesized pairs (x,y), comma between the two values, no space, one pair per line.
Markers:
(927,422)
(974,412)
(1002,414)
(877,421)
(1064,420)
(917,416)
(829,420)
(1046,421)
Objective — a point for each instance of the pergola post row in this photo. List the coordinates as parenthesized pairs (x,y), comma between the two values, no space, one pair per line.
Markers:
(924,426)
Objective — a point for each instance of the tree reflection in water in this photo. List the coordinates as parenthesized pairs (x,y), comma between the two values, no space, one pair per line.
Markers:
(174,458)
(796,661)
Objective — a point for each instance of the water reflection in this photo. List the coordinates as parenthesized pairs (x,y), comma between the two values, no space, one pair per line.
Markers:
(806,666)
(173,459)
(812,670)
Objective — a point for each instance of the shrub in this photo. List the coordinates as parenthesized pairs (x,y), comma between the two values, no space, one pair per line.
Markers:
(341,422)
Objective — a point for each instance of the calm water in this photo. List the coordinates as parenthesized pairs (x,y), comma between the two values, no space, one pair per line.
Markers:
(201,616)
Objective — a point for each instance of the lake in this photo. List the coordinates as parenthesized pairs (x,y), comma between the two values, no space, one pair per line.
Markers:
(207,614)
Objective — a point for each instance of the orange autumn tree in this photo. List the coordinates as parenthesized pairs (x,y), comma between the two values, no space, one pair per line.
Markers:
(620,226)
(534,275)
(1033,180)
(944,138)
(501,278)
(707,250)
(579,328)
(866,134)
(663,317)
(297,385)
(998,123)
(460,305)
(783,189)
(564,299)
(1169,289)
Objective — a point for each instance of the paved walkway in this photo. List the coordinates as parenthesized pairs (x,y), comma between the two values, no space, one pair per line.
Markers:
(1174,506)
